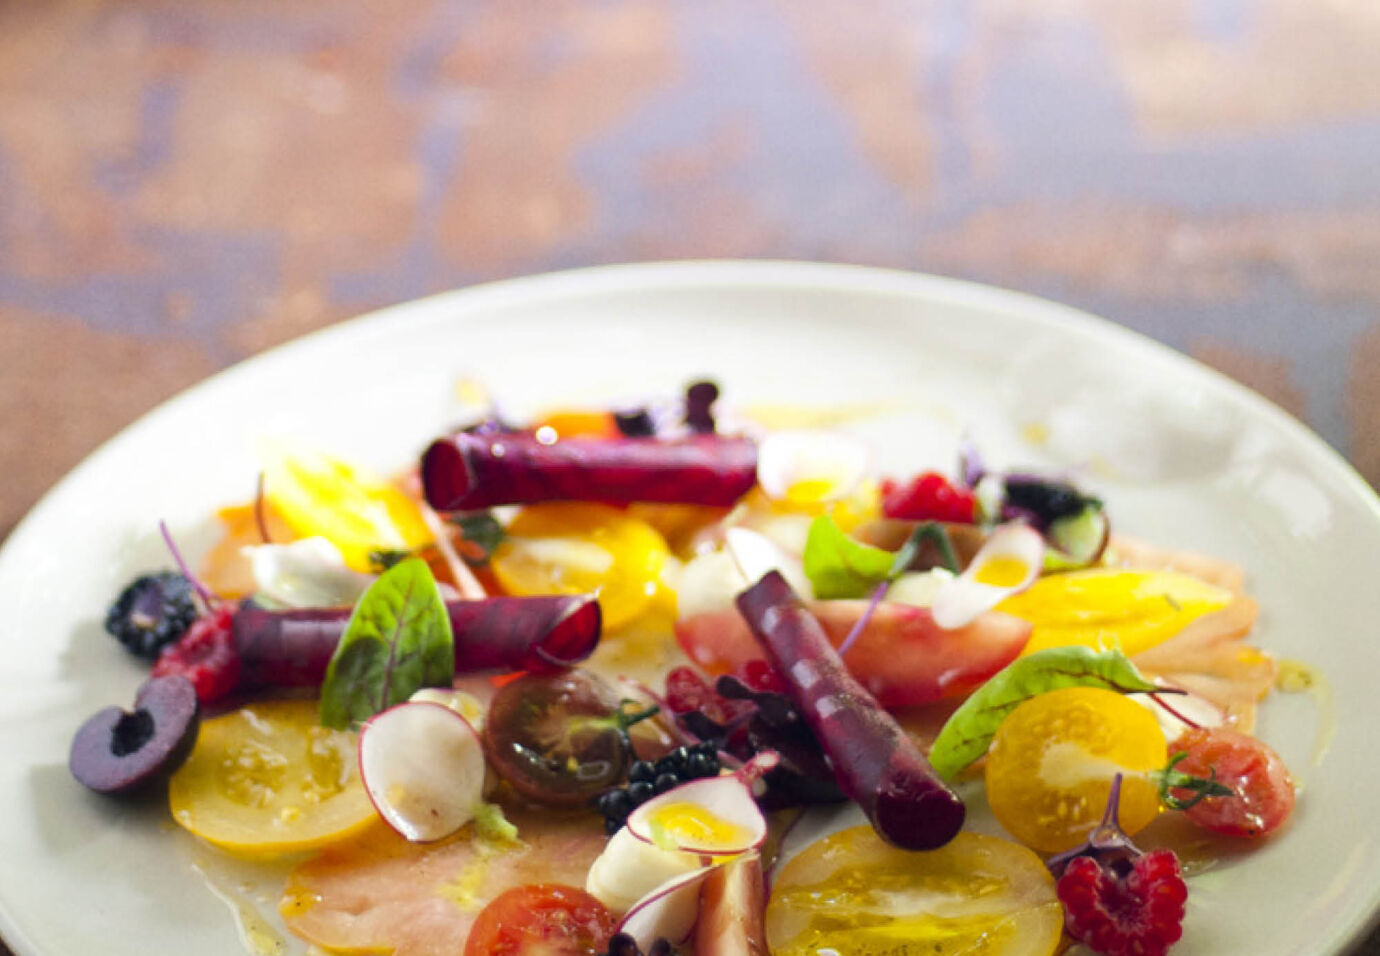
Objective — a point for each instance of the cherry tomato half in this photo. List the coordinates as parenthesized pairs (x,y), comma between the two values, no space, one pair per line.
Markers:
(543,919)
(1264,790)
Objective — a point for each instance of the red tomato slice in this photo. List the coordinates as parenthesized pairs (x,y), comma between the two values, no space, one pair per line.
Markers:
(543,919)
(1264,790)
(903,658)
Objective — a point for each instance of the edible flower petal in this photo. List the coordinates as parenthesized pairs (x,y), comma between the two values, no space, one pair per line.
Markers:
(805,466)
(1008,563)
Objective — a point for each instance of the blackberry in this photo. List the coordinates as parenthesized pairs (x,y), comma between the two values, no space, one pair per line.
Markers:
(635,423)
(152,612)
(702,765)
(674,762)
(1047,499)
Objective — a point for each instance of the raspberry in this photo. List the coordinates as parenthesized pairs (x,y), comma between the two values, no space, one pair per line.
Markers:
(206,655)
(761,676)
(687,691)
(928,497)
(1129,908)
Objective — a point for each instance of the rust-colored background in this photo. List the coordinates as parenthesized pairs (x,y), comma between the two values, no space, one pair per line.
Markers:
(185,182)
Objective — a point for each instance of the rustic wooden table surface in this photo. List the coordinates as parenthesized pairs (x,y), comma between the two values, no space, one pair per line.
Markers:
(183,184)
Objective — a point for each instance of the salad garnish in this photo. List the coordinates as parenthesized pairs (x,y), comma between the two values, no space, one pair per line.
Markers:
(652,637)
(398,640)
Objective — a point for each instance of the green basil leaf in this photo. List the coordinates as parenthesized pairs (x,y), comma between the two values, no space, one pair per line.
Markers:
(968,732)
(398,640)
(838,566)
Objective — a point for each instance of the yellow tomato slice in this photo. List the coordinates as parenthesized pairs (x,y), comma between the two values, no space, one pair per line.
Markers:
(268,780)
(578,548)
(357,511)
(1107,607)
(1050,768)
(852,893)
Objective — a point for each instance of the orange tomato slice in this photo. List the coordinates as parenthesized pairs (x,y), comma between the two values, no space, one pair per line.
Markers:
(579,548)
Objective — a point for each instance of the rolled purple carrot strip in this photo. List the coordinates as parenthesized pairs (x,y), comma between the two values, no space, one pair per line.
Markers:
(545,633)
(465,471)
(875,762)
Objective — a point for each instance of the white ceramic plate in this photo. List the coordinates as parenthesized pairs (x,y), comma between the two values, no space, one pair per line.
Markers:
(1181,455)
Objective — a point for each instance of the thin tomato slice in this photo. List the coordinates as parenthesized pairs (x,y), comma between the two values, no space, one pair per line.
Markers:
(852,893)
(542,919)
(381,894)
(902,657)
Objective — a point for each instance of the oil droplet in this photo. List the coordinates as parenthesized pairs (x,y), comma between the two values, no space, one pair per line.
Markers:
(1297,677)
(257,934)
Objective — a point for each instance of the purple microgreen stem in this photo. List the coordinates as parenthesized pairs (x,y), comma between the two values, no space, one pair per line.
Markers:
(208,599)
(855,632)
(1170,710)
(1107,844)
(971,467)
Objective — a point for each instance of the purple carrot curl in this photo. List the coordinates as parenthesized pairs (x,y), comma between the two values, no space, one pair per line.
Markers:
(875,761)
(465,472)
(544,633)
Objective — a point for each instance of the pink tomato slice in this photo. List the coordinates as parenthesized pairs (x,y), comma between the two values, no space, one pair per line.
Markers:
(903,657)
(382,894)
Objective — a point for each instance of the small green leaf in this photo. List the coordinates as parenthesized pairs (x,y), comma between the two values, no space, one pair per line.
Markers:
(838,566)
(398,640)
(968,732)
(482,533)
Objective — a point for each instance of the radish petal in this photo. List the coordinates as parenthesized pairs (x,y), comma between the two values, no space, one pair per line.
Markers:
(668,911)
(422,765)
(306,573)
(806,467)
(716,816)
(630,868)
(1009,562)
(754,554)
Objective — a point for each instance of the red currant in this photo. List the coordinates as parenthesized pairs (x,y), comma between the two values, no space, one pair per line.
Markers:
(928,497)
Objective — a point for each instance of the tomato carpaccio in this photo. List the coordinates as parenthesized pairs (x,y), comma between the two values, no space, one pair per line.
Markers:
(544,919)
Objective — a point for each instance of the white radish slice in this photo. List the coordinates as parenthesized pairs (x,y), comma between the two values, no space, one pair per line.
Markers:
(1007,563)
(755,554)
(422,765)
(630,869)
(306,573)
(804,466)
(716,816)
(668,911)
(1200,710)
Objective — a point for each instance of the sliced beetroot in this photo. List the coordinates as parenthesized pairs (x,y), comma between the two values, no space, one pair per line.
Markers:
(291,648)
(120,752)
(875,762)
(465,472)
